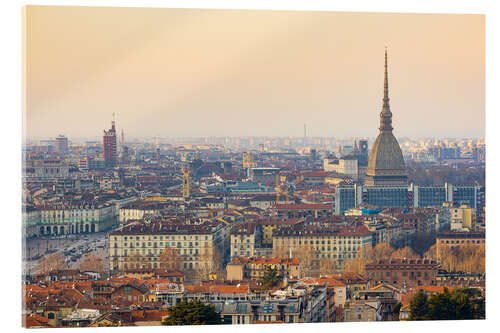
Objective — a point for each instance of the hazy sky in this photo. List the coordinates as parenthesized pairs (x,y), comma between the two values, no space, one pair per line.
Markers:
(185,72)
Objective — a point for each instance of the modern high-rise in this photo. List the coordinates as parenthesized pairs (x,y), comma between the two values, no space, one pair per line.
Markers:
(350,196)
(363,153)
(109,146)
(62,144)
(386,166)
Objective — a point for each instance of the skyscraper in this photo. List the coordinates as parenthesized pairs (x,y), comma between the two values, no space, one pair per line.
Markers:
(363,153)
(61,144)
(386,165)
(109,145)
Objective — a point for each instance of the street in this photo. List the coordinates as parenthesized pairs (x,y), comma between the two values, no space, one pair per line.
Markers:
(72,247)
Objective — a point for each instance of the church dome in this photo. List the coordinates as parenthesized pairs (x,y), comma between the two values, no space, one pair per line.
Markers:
(386,165)
(386,154)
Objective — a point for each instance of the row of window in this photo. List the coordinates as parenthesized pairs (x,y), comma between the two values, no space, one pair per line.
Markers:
(156,252)
(381,275)
(166,244)
(294,240)
(161,237)
(468,241)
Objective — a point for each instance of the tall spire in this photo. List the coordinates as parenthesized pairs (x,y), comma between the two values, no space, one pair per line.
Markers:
(386,82)
(386,115)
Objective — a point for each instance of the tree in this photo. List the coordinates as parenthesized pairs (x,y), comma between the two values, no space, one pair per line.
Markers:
(431,253)
(382,251)
(419,306)
(169,258)
(210,260)
(396,310)
(405,252)
(477,302)
(307,258)
(133,260)
(356,265)
(92,263)
(422,242)
(326,266)
(192,313)
(305,253)
(456,305)
(465,258)
(52,262)
(271,278)
(440,306)
(365,254)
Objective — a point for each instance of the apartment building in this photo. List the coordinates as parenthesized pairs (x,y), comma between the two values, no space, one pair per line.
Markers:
(403,272)
(140,208)
(74,218)
(337,243)
(242,268)
(245,237)
(197,244)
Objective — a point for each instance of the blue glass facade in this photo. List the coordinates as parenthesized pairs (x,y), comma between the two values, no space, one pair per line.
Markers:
(413,196)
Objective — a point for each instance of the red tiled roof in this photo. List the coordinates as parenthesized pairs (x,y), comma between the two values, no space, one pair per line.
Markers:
(220,289)
(148,315)
(303,206)
(265,261)
(315,173)
(35,320)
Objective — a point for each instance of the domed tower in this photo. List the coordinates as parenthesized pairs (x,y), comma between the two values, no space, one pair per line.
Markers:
(386,165)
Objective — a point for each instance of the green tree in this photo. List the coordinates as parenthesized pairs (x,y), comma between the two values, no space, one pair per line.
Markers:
(396,310)
(271,277)
(441,306)
(479,308)
(419,306)
(476,299)
(456,305)
(192,313)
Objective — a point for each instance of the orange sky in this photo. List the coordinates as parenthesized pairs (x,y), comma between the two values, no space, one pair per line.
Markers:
(185,72)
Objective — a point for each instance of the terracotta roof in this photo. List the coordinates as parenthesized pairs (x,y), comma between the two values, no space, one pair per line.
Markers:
(303,206)
(35,320)
(432,289)
(265,261)
(331,282)
(385,285)
(148,315)
(315,173)
(219,289)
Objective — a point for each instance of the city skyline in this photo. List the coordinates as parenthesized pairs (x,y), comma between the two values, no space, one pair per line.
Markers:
(438,74)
